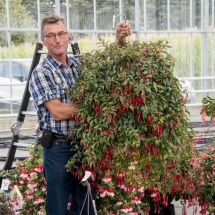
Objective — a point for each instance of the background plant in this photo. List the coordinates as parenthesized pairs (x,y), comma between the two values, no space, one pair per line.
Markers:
(28,176)
(132,123)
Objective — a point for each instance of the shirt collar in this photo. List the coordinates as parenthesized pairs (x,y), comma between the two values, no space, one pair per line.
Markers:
(57,64)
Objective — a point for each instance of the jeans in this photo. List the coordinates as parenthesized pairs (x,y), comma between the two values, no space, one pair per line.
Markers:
(61,185)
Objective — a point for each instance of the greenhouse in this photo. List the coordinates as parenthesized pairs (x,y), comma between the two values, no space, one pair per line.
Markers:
(146,95)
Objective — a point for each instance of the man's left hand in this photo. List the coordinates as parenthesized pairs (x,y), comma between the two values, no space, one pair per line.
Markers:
(123,29)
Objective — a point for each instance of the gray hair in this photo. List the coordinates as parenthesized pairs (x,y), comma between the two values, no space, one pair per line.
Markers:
(51,19)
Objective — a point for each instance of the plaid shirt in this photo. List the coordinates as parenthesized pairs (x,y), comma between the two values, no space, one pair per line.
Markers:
(48,81)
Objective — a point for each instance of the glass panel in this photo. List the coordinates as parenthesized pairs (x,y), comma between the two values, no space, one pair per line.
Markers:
(104,14)
(23,44)
(196,10)
(85,42)
(31,8)
(81,15)
(196,55)
(180,44)
(4,52)
(129,11)
(156,15)
(3,14)
(19,16)
(155,37)
(141,12)
(210,49)
(179,14)
(46,8)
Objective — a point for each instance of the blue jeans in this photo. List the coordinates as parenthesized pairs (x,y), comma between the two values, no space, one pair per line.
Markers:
(62,184)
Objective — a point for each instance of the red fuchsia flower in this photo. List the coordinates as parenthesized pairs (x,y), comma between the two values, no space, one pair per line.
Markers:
(107,179)
(98,109)
(127,66)
(110,193)
(103,192)
(148,120)
(142,135)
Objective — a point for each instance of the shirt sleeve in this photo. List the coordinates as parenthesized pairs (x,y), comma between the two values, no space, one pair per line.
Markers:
(42,86)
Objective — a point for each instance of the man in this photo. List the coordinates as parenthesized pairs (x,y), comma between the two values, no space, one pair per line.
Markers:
(47,87)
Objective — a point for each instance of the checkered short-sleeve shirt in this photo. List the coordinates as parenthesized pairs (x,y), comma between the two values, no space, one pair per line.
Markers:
(48,81)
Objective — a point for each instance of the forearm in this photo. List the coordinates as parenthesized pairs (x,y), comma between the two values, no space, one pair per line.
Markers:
(64,111)
(59,110)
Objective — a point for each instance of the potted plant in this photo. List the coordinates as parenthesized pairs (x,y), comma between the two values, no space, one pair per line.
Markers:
(132,126)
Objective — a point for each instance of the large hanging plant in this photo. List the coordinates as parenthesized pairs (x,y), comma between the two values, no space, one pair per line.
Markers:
(131,124)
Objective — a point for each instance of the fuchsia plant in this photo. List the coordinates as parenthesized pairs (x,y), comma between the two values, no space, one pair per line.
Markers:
(132,125)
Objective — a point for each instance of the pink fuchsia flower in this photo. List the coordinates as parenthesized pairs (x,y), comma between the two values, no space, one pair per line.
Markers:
(119,202)
(126,209)
(29,196)
(140,189)
(39,201)
(22,181)
(107,179)
(32,172)
(39,168)
(134,212)
(24,174)
(41,212)
(135,200)
(43,189)
(32,185)
(203,116)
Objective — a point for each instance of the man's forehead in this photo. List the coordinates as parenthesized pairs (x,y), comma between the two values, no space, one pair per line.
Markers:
(54,27)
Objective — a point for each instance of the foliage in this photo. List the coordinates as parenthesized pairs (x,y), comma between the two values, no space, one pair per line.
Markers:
(208,108)
(29,178)
(4,204)
(132,124)
(201,179)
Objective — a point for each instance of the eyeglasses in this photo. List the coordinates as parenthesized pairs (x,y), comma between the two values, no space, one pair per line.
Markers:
(61,35)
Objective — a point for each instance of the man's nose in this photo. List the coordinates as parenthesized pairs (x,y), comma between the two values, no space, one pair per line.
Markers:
(57,38)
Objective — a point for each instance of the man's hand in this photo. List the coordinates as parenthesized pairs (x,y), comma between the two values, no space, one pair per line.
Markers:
(123,29)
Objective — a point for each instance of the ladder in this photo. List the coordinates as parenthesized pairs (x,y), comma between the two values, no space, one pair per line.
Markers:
(15,127)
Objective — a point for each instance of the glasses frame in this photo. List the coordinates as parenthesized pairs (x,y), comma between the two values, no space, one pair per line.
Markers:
(53,36)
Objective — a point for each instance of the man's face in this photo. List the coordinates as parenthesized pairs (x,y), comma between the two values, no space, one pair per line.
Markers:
(55,38)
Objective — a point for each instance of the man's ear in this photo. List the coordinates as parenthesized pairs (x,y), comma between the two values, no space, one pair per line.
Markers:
(42,39)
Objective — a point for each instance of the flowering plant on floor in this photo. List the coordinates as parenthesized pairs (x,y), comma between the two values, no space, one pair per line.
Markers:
(132,124)
(202,179)
(28,177)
